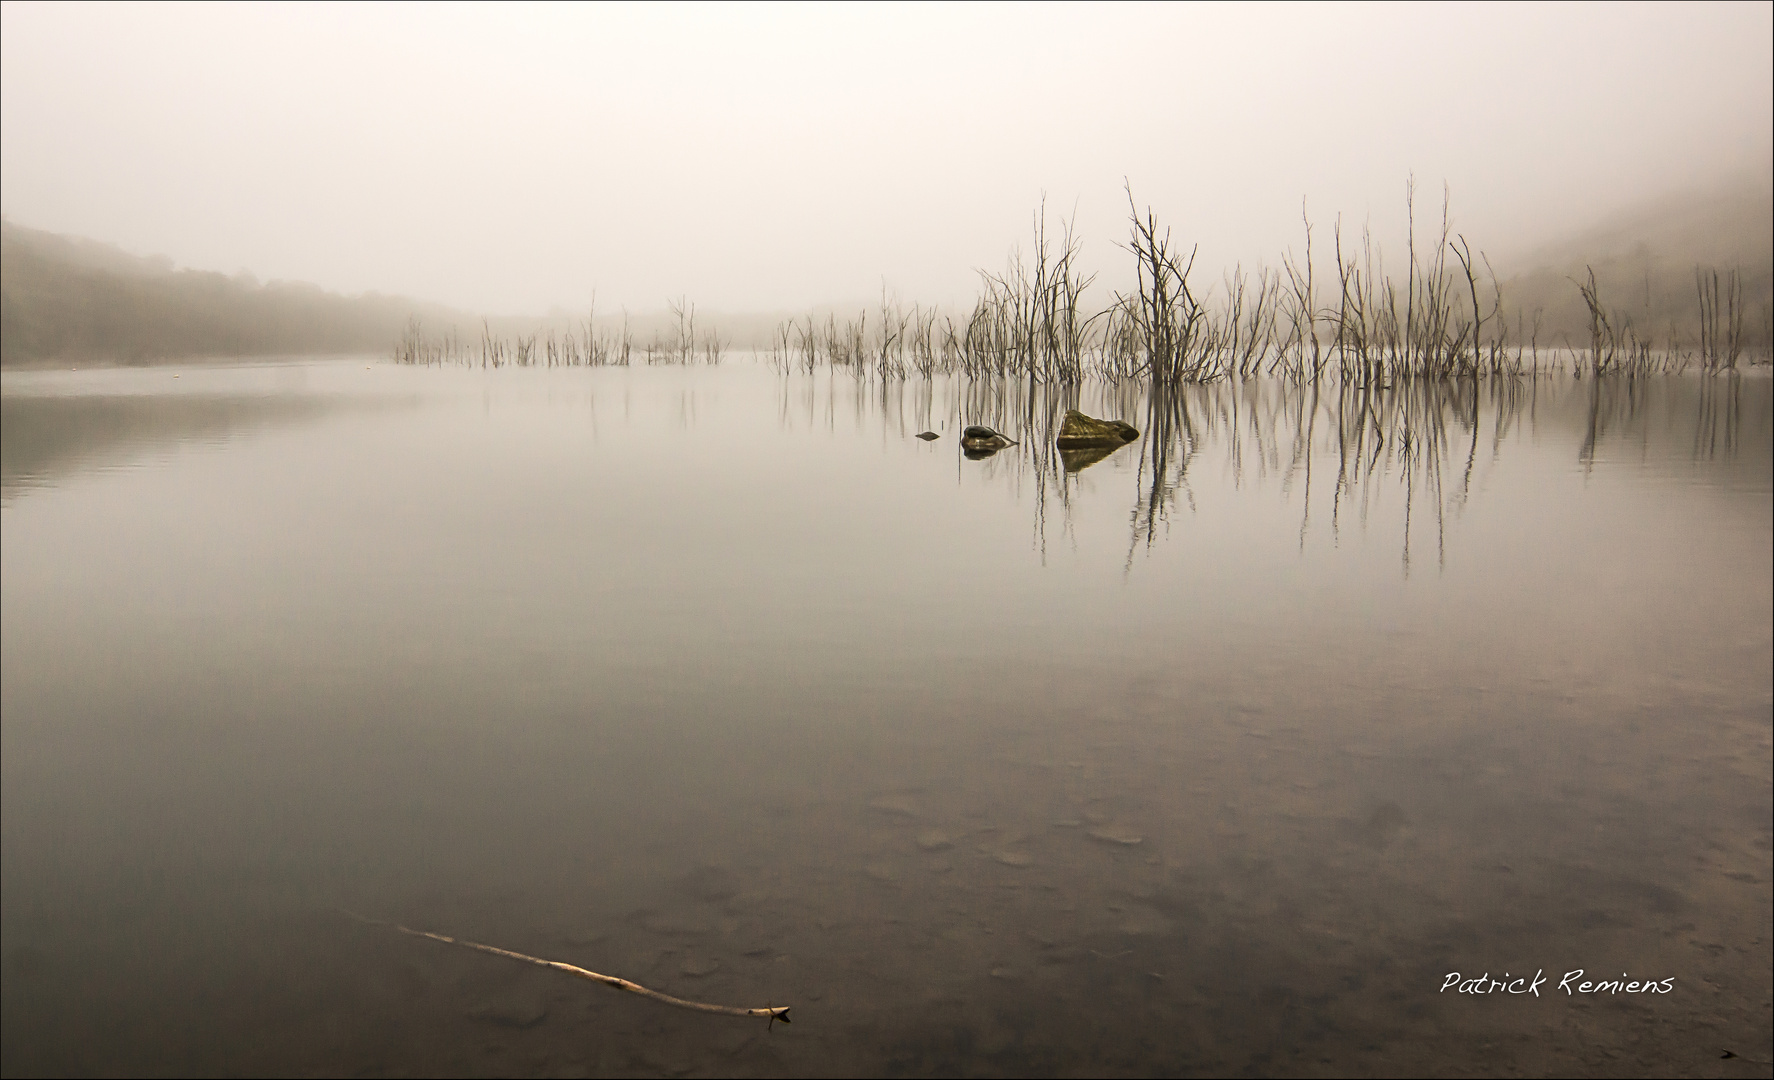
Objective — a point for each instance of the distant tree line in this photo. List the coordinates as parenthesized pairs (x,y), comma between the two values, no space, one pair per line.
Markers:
(1656,266)
(1689,273)
(62,298)
(1661,298)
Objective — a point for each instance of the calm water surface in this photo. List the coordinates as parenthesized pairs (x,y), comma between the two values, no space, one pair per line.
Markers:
(1216,755)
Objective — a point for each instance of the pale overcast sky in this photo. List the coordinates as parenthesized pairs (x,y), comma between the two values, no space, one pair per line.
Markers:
(513,158)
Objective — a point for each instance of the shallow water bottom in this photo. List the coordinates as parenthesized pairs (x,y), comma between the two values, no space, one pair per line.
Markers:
(1065,882)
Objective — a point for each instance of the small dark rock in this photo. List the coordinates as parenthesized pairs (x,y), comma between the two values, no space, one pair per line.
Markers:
(928,436)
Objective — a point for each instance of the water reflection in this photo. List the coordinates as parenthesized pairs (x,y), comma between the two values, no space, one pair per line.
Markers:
(602,666)
(1711,418)
(1339,450)
(47,437)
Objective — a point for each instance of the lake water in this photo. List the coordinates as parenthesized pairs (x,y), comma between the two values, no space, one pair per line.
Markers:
(1217,755)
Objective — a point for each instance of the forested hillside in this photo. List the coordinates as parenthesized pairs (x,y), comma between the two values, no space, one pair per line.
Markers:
(63,298)
(1645,261)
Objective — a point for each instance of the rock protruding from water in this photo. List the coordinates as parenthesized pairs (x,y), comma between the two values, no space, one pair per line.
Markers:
(980,434)
(980,441)
(1080,432)
(928,436)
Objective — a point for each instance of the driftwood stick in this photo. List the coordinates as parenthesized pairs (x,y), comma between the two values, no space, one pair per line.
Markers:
(771,1012)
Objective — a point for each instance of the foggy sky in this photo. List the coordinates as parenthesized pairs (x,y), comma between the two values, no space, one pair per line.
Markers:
(511,159)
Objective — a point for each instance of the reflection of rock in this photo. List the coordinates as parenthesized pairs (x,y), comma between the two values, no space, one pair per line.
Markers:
(978,441)
(1079,460)
(1080,432)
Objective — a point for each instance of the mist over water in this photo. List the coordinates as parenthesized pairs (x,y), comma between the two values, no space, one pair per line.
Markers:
(1218,753)
(762,158)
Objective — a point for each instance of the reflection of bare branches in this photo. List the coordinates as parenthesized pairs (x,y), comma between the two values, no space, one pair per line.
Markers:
(1418,439)
(1170,443)
(1375,431)
(1305,423)
(1611,402)
(1720,416)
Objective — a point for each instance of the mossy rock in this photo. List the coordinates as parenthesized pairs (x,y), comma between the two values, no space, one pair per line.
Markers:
(974,437)
(1080,432)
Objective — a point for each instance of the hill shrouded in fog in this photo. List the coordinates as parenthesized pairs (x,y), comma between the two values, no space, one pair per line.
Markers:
(64,298)
(1645,260)
(70,299)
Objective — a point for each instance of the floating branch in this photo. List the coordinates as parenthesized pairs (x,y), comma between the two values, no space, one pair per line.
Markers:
(771,1012)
